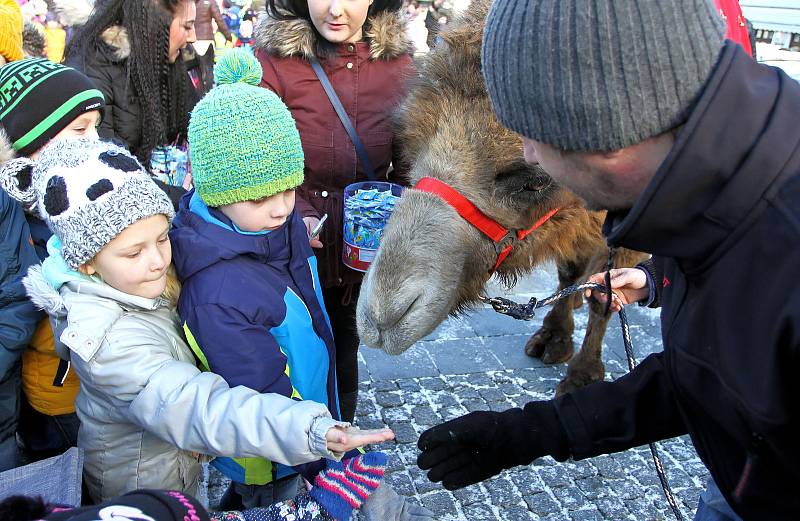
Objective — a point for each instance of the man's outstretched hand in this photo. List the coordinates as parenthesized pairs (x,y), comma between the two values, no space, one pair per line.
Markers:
(481,444)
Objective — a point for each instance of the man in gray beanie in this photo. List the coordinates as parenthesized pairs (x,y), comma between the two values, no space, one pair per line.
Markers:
(641,109)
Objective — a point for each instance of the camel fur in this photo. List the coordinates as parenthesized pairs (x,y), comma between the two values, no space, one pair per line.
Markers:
(432,263)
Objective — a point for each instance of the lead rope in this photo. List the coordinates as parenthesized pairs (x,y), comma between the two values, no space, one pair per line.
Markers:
(525,312)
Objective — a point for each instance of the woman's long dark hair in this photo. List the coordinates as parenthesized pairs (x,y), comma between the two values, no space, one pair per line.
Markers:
(159,86)
(298,9)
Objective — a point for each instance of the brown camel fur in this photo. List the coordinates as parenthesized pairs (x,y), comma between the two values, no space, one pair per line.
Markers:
(432,263)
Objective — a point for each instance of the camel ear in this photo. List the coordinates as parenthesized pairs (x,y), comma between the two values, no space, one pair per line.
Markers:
(16,178)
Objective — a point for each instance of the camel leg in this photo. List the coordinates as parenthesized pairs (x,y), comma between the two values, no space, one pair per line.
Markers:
(587,367)
(553,341)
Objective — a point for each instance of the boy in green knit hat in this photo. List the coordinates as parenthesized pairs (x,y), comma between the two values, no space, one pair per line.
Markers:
(250,304)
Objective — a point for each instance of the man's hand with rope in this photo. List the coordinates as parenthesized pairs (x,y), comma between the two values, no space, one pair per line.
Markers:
(629,284)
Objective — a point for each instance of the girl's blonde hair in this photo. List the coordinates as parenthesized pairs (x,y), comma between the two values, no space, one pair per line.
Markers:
(173,289)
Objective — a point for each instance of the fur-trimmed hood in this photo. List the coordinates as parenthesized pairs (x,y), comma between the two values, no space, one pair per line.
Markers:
(386,35)
(116,37)
(77,12)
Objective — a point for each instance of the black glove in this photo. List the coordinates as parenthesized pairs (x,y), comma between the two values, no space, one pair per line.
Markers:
(479,445)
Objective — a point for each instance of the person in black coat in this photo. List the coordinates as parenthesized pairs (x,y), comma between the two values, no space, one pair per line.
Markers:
(693,151)
(131,49)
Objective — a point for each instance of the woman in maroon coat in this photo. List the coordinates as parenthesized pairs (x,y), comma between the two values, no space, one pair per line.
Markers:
(363,50)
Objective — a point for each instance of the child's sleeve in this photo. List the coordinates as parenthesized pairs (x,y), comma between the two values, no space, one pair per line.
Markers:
(241,352)
(197,411)
(18,316)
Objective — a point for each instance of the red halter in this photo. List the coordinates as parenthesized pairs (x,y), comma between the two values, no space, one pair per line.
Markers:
(503,238)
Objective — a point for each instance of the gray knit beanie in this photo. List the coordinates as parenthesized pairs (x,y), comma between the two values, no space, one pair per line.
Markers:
(88,191)
(598,75)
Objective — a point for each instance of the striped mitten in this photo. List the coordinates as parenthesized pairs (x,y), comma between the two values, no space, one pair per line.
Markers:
(343,486)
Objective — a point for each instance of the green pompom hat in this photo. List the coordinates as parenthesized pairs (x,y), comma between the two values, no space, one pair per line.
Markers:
(243,141)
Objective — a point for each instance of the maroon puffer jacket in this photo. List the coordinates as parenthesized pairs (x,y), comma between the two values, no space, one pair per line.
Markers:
(369,78)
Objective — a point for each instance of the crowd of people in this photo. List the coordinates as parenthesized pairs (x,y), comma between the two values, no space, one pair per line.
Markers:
(160,321)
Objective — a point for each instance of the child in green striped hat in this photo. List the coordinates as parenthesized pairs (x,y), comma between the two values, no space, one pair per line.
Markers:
(41,101)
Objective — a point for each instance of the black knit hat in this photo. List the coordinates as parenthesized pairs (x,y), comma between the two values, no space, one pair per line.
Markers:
(38,98)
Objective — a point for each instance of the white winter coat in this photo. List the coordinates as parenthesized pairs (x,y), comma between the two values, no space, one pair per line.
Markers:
(144,406)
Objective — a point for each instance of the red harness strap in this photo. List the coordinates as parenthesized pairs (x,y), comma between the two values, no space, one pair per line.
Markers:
(502,238)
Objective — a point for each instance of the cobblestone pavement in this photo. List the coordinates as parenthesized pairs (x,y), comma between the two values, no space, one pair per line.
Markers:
(477,362)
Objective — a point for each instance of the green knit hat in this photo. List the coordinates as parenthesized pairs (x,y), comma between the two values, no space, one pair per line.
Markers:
(243,142)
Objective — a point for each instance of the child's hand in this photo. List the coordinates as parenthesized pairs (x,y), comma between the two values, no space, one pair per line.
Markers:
(311,223)
(629,284)
(346,439)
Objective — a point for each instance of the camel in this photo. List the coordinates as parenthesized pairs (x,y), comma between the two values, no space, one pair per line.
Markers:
(432,263)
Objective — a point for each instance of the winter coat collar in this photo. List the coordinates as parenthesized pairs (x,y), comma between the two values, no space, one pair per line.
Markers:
(720,169)
(116,38)
(284,38)
(90,306)
(198,244)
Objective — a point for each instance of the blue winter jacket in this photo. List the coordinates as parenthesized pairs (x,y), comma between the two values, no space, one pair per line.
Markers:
(18,316)
(252,309)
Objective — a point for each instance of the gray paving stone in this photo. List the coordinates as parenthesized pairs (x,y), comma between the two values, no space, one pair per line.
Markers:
(408,385)
(554,476)
(541,504)
(645,510)
(480,379)
(424,415)
(611,507)
(516,513)
(384,385)
(404,432)
(590,513)
(510,350)
(492,394)
(470,495)
(591,487)
(463,356)
(413,363)
(569,497)
(401,483)
(487,323)
(389,399)
(440,503)
(502,492)
(608,467)
(479,512)
(500,406)
(433,384)
(527,482)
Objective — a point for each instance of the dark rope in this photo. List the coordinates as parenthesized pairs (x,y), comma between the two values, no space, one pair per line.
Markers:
(526,312)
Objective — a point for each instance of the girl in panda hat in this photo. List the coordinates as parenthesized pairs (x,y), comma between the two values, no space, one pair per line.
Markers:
(146,411)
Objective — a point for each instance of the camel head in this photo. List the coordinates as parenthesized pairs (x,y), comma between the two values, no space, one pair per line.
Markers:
(431,262)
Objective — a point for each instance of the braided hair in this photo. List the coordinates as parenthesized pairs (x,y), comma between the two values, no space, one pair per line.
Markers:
(158,86)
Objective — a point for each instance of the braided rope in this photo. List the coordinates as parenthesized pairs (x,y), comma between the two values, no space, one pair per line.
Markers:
(526,311)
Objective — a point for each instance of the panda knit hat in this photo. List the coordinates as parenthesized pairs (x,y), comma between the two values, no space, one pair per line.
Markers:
(243,142)
(87,191)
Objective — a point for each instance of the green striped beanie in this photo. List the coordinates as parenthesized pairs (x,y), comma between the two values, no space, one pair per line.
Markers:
(39,98)
(243,142)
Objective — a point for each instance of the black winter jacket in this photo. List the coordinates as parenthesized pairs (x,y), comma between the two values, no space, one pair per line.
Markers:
(105,62)
(722,218)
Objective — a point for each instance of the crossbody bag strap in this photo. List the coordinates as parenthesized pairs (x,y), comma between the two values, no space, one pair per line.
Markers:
(343,117)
